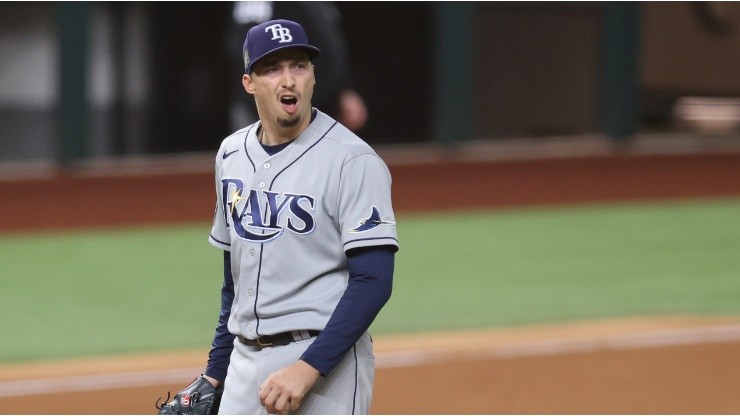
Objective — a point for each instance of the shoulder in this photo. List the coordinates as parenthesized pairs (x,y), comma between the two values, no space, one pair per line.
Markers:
(340,139)
(234,140)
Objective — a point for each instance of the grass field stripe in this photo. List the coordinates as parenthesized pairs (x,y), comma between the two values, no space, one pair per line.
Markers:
(395,359)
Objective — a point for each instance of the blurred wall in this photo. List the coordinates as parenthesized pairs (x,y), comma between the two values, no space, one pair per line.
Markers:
(120,65)
(691,47)
(190,75)
(28,80)
(159,79)
(391,57)
(688,49)
(537,69)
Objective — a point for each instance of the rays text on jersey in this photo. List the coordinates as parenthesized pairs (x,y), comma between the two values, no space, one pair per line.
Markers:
(262,215)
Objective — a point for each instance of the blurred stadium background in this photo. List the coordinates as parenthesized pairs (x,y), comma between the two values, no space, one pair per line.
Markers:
(108,79)
(103,102)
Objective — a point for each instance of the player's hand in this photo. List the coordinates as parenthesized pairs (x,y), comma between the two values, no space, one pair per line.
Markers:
(284,389)
(352,110)
(200,397)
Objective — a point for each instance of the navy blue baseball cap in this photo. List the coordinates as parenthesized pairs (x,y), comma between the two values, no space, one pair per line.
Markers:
(272,36)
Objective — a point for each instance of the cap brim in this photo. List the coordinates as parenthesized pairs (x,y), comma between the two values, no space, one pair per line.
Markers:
(311,51)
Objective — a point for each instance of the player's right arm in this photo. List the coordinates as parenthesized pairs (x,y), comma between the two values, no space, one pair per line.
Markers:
(223,340)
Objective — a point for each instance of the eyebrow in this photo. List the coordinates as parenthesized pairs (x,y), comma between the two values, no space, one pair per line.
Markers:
(288,57)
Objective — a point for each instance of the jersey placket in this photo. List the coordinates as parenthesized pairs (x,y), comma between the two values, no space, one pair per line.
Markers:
(261,183)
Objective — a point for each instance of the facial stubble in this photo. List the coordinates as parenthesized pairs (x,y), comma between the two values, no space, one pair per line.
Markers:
(289,122)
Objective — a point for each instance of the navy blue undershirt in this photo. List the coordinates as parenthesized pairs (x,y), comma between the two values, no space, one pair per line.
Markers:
(272,150)
(223,341)
(369,288)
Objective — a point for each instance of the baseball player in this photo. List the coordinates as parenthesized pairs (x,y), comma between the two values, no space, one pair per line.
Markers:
(304,218)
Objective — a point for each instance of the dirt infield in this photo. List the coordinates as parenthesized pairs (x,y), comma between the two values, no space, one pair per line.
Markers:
(646,366)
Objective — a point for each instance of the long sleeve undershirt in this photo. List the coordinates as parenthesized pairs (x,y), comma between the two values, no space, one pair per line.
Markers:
(223,341)
(369,288)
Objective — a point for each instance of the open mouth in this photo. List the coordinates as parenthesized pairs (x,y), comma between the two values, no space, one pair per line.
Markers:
(289,103)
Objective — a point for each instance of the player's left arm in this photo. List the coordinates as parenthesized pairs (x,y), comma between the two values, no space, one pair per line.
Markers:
(369,288)
(367,224)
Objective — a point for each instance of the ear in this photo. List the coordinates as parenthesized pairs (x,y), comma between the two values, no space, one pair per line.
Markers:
(248,84)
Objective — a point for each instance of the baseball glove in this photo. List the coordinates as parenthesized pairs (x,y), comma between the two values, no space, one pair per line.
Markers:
(198,398)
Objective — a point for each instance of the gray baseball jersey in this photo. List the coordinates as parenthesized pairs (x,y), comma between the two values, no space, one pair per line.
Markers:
(288,219)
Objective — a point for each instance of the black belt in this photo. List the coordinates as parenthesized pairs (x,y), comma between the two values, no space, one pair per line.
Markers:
(277,340)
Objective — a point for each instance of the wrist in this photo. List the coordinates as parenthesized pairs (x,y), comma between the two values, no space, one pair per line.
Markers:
(212,380)
(308,370)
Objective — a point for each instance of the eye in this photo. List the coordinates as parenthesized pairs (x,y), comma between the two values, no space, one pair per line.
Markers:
(300,65)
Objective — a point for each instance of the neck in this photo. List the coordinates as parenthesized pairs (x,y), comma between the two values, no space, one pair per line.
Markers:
(273,134)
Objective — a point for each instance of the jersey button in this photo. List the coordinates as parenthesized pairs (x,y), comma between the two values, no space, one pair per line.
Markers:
(250,292)
(262,184)
(251,252)
(249,327)
(267,166)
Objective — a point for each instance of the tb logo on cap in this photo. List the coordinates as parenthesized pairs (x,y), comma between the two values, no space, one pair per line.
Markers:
(280,32)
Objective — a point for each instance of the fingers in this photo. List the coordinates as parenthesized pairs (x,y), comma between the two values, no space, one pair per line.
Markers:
(284,390)
(277,400)
(268,397)
(294,405)
(282,405)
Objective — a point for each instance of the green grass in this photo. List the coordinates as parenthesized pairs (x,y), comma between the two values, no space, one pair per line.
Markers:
(559,264)
(139,289)
(108,291)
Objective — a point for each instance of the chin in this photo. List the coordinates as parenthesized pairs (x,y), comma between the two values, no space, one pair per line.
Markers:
(289,122)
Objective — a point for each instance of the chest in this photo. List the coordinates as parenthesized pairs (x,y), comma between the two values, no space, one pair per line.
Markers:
(262,199)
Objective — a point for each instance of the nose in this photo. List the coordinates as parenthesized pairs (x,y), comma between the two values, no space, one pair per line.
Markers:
(288,80)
